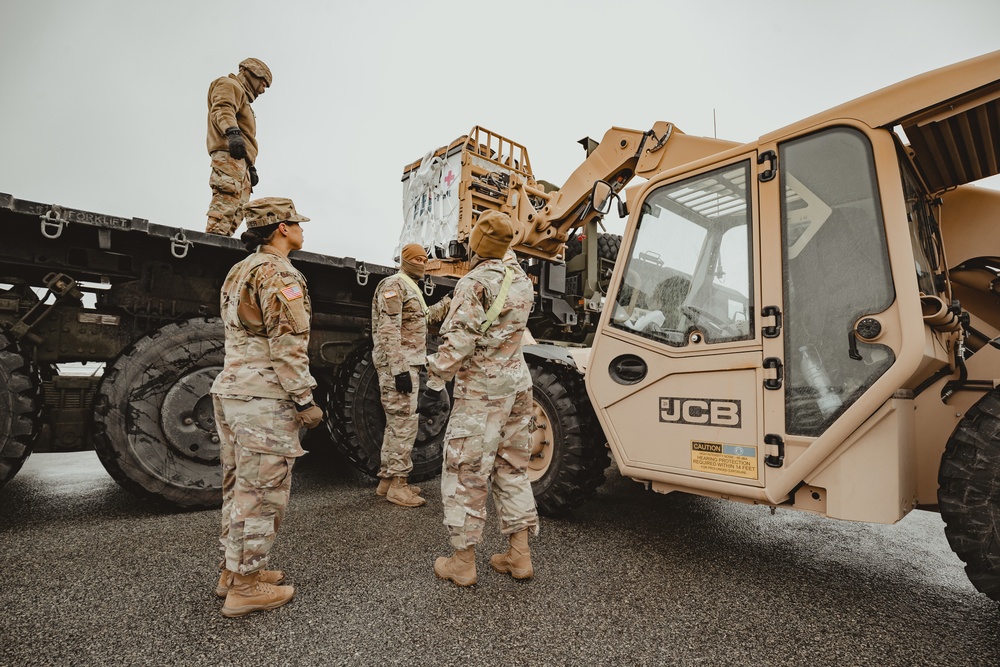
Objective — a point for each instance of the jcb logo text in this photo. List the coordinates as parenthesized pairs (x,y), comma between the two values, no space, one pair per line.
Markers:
(700,411)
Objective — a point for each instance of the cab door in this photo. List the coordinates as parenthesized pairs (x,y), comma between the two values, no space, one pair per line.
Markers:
(677,369)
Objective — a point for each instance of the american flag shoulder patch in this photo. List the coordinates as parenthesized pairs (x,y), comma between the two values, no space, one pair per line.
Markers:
(292,292)
(389,294)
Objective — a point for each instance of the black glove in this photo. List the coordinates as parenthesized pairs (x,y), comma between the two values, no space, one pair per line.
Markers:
(433,403)
(404,383)
(254,178)
(237,148)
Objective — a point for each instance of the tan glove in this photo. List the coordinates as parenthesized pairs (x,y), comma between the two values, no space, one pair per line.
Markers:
(309,415)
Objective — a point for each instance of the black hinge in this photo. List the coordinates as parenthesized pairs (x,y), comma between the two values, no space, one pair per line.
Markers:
(775,382)
(773,331)
(772,169)
(771,460)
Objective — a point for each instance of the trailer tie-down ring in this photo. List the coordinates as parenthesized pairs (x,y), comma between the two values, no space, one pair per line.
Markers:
(53,223)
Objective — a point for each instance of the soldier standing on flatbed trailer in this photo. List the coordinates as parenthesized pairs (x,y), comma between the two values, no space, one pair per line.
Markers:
(232,143)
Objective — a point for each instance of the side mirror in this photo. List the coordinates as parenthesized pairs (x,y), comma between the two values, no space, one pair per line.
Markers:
(601,196)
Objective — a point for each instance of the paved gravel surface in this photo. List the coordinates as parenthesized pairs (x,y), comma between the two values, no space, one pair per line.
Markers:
(91,576)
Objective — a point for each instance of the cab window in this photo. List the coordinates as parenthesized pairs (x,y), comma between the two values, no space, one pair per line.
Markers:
(688,269)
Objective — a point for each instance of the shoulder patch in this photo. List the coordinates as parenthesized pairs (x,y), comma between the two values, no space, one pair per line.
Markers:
(292,292)
(388,294)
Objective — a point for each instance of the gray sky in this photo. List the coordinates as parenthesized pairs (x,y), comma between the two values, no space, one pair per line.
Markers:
(104,101)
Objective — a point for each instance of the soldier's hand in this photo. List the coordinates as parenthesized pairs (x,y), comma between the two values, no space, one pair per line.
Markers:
(404,383)
(237,148)
(433,403)
(254,178)
(309,415)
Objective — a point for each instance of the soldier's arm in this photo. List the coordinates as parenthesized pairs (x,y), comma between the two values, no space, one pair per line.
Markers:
(460,333)
(286,321)
(437,312)
(389,328)
(223,103)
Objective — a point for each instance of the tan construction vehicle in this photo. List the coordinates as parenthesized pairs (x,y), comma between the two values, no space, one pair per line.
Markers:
(808,321)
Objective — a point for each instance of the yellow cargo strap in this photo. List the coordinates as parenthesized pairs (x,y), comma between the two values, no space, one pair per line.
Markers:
(494,311)
(416,290)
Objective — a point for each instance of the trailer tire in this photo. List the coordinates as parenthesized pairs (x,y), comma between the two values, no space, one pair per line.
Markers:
(20,403)
(569,453)
(969,493)
(356,420)
(154,425)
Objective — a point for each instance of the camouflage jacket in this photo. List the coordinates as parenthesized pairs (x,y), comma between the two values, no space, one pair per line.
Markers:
(399,326)
(266,313)
(229,106)
(487,365)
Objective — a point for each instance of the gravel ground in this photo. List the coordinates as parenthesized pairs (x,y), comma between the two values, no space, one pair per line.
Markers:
(92,576)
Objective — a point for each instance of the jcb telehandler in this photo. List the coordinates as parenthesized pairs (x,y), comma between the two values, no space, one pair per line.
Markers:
(808,321)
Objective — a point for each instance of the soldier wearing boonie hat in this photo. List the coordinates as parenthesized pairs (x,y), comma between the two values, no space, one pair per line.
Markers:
(399,336)
(262,399)
(232,143)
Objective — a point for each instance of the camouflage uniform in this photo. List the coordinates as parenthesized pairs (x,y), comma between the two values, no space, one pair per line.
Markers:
(229,99)
(399,335)
(266,312)
(487,441)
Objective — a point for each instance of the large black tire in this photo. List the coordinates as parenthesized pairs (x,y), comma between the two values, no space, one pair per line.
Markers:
(608,246)
(569,451)
(356,421)
(154,426)
(20,402)
(969,493)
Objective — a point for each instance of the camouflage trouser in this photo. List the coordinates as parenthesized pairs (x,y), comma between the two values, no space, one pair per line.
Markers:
(230,183)
(255,484)
(487,447)
(401,424)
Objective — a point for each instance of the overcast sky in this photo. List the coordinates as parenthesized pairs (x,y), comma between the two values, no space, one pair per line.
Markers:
(104,101)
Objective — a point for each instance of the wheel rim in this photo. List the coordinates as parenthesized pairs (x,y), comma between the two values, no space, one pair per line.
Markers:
(188,417)
(541,442)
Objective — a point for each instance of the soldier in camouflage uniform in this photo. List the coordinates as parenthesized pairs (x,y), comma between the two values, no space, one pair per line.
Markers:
(399,333)
(262,398)
(232,143)
(487,444)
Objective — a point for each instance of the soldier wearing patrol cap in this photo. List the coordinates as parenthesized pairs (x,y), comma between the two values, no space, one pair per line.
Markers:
(399,334)
(487,446)
(232,143)
(262,398)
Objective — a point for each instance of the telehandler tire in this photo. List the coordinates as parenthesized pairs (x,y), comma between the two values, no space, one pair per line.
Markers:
(20,402)
(154,424)
(969,493)
(356,420)
(569,453)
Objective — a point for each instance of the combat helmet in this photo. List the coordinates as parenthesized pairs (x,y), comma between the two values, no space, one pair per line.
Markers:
(257,68)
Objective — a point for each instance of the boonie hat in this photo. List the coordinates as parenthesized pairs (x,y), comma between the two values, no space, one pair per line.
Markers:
(271,210)
(257,68)
(492,235)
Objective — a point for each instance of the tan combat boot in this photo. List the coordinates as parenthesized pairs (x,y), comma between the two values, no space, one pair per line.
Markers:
(400,493)
(517,561)
(249,593)
(460,568)
(384,484)
(226,580)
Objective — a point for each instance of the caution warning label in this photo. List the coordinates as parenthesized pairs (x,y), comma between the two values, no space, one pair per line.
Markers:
(729,460)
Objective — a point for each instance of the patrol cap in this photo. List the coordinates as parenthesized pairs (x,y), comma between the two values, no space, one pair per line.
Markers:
(492,235)
(270,211)
(257,68)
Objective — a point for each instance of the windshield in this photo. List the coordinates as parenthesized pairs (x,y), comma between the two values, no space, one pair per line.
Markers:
(688,268)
